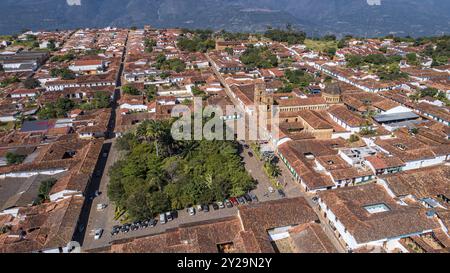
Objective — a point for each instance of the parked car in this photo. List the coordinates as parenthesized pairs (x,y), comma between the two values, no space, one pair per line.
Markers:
(98,233)
(228,203)
(241,200)
(247,197)
(246,146)
(281,193)
(144,224)
(215,206)
(152,222)
(134,227)
(271,190)
(234,201)
(221,205)
(115,230)
(254,197)
(125,228)
(199,208)
(162,218)
(250,154)
(101,207)
(315,199)
(191,211)
(205,208)
(174,214)
(169,216)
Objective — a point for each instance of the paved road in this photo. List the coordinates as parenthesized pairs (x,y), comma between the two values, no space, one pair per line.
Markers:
(91,218)
(101,219)
(255,168)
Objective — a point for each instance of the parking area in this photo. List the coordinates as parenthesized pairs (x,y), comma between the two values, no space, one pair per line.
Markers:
(181,217)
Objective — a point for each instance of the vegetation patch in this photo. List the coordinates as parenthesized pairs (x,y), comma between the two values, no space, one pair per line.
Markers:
(259,57)
(159,174)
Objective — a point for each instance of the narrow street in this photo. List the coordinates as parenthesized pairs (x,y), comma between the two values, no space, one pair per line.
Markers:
(91,218)
(255,168)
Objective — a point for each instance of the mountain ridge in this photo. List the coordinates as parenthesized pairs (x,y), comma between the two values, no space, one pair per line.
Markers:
(316,17)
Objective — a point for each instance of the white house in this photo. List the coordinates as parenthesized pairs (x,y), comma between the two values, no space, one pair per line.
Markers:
(23,93)
(88,66)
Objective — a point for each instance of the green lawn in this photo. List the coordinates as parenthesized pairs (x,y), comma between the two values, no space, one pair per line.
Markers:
(6,37)
(320,45)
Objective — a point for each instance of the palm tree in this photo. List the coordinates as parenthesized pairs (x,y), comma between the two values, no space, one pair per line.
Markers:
(158,132)
(188,149)
(142,129)
(276,171)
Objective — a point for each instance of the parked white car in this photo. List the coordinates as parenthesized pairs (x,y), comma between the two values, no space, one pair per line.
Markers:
(98,233)
(101,207)
(191,211)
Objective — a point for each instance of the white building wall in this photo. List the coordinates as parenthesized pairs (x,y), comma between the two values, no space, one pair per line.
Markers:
(61,195)
(412,165)
(32,173)
(138,107)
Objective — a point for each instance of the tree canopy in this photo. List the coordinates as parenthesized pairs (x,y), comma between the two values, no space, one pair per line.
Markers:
(196,44)
(64,73)
(288,36)
(130,90)
(9,81)
(149,44)
(56,110)
(162,63)
(159,174)
(31,83)
(440,53)
(296,79)
(13,158)
(259,57)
